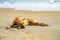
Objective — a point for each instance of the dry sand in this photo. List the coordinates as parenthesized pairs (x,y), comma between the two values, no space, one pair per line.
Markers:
(51,32)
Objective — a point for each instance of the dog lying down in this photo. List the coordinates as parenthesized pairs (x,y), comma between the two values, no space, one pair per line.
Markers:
(21,23)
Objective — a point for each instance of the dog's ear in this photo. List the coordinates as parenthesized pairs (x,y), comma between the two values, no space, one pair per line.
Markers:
(23,19)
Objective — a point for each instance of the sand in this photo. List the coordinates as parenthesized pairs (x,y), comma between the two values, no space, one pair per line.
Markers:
(52,32)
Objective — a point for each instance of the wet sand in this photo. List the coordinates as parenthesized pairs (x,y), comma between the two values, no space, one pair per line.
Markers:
(52,32)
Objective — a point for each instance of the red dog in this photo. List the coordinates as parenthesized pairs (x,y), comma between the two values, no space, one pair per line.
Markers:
(21,23)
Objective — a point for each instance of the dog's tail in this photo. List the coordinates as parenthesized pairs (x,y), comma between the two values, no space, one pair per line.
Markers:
(40,24)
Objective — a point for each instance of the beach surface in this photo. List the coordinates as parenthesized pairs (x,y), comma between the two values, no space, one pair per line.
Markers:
(51,32)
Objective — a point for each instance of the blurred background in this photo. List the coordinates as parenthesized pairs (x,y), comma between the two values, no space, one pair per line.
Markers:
(34,5)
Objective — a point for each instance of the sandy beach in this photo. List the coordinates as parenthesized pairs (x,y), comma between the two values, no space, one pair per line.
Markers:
(52,18)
